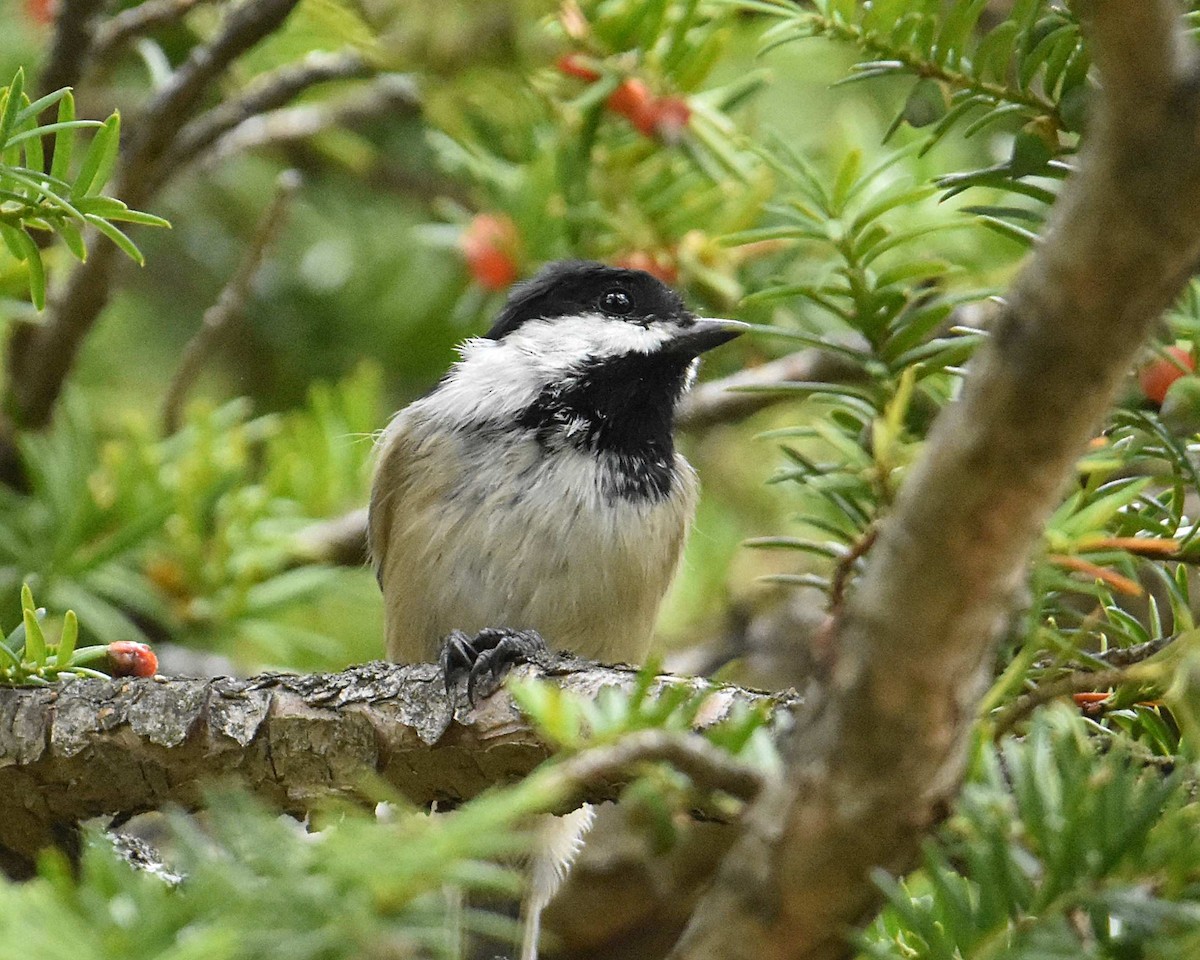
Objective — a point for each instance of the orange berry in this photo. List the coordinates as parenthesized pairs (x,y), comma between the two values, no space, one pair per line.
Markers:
(42,11)
(634,101)
(572,65)
(657,265)
(127,658)
(1156,377)
(490,245)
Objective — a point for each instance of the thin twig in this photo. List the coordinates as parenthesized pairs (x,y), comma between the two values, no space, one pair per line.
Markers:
(74,30)
(845,567)
(717,402)
(230,305)
(1110,578)
(41,357)
(596,770)
(1085,680)
(267,93)
(114,33)
(341,540)
(386,95)
(243,27)
(1127,656)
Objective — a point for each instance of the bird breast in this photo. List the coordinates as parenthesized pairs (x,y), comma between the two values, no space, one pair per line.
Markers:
(485,527)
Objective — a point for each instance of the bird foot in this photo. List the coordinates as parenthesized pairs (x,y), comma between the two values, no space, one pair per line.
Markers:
(485,658)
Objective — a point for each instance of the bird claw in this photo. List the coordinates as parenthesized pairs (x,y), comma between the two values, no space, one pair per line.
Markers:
(485,658)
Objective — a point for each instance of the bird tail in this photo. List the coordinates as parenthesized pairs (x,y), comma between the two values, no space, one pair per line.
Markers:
(559,841)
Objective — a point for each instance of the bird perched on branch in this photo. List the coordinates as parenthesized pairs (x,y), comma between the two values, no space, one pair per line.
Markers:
(536,491)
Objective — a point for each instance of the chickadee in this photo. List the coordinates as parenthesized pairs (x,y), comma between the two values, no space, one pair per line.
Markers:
(536,491)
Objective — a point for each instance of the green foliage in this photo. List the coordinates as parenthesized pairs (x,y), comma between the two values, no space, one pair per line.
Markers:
(657,796)
(870,270)
(870,283)
(28,658)
(255,886)
(1068,842)
(1057,848)
(60,200)
(1025,75)
(195,535)
(573,723)
(577,173)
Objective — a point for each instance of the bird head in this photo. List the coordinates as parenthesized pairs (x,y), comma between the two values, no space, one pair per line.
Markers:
(621,341)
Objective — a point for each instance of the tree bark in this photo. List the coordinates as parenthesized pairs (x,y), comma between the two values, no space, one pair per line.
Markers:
(875,760)
(91,747)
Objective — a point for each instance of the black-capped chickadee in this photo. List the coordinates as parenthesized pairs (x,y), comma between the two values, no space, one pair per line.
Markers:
(536,491)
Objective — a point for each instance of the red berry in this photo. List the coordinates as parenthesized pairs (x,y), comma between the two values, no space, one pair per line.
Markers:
(633,101)
(572,64)
(42,11)
(126,658)
(670,118)
(490,245)
(1157,376)
(657,265)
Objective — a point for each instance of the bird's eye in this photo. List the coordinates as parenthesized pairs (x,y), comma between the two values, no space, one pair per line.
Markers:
(617,302)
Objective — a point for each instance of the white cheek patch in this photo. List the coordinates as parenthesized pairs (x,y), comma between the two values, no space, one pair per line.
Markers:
(559,344)
(488,383)
(498,379)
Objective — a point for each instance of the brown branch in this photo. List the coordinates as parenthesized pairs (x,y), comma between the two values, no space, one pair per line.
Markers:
(115,32)
(718,401)
(1117,582)
(92,747)
(387,95)
(845,568)
(41,356)
(1123,666)
(623,900)
(1044,693)
(340,540)
(230,305)
(74,29)
(1126,656)
(180,98)
(267,93)
(591,773)
(876,759)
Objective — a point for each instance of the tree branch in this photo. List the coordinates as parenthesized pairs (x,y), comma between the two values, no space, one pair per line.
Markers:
(718,401)
(267,93)
(92,747)
(1043,693)
(41,356)
(341,540)
(386,95)
(115,32)
(591,773)
(230,305)
(875,760)
(74,28)
(243,27)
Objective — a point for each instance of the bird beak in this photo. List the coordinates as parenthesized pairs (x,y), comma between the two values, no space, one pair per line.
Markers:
(705,334)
